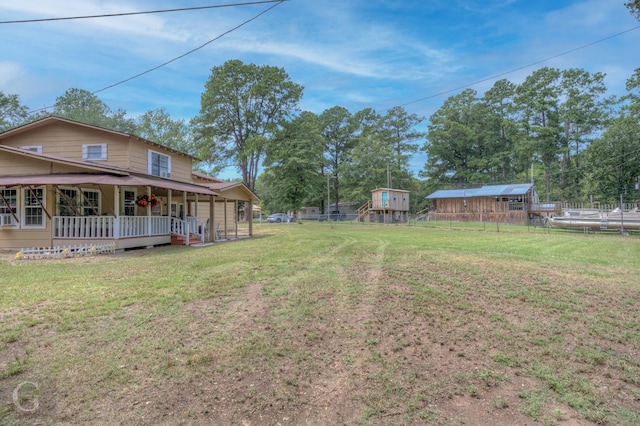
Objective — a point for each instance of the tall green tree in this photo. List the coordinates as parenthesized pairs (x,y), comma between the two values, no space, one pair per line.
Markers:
(582,112)
(371,158)
(85,107)
(12,112)
(294,163)
(537,99)
(338,129)
(397,128)
(459,143)
(633,97)
(158,126)
(500,102)
(614,162)
(242,107)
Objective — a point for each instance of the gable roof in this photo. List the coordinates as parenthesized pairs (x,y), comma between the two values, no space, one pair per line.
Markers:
(55,119)
(93,174)
(485,191)
(221,186)
(61,160)
(104,179)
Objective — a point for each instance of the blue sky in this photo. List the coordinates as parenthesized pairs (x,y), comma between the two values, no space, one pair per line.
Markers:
(354,53)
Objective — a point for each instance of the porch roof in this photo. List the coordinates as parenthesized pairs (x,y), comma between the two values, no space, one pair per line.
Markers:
(226,186)
(103,179)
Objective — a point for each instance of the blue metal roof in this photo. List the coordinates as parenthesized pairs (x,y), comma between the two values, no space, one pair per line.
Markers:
(485,191)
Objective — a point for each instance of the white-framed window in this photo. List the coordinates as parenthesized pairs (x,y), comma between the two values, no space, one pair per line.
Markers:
(94,152)
(33,148)
(159,164)
(8,207)
(74,202)
(33,202)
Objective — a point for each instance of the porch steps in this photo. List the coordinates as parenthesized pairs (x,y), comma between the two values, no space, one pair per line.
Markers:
(179,240)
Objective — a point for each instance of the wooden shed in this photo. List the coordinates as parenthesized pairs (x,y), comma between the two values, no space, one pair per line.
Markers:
(493,203)
(386,206)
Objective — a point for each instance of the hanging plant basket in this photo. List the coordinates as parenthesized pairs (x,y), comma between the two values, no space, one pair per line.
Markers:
(145,200)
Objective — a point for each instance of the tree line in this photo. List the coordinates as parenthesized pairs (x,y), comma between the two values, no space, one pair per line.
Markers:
(557,128)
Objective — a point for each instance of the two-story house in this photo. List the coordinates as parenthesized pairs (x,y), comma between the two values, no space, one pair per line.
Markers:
(63,182)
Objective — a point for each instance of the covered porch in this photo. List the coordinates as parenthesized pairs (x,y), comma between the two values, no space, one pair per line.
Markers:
(130,211)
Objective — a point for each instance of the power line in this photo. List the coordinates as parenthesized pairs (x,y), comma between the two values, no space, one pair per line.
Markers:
(111,15)
(493,77)
(278,3)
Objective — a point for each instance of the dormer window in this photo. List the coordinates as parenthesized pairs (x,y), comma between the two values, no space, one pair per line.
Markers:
(94,152)
(159,164)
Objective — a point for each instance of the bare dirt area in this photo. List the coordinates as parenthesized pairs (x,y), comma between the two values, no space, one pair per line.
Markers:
(434,339)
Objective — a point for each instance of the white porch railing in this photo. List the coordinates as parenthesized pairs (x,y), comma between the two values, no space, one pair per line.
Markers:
(109,226)
(83,226)
(142,226)
(80,227)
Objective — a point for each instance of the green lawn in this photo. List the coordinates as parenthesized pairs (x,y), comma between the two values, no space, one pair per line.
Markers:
(325,324)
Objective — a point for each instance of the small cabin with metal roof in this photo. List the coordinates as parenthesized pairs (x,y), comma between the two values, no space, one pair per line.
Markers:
(495,203)
(387,205)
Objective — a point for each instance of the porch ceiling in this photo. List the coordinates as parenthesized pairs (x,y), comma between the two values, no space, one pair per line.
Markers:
(103,179)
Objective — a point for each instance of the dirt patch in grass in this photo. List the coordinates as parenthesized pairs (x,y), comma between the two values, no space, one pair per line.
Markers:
(358,335)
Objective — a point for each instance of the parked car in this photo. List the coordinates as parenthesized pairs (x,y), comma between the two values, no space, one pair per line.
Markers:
(279,217)
(334,215)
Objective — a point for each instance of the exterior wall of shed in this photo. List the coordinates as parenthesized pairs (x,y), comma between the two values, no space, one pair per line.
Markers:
(482,209)
(396,200)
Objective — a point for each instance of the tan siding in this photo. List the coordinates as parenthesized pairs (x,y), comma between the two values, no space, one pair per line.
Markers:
(180,164)
(16,238)
(237,193)
(66,140)
(14,164)
(22,238)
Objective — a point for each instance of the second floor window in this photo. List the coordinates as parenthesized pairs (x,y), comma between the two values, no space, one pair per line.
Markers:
(94,151)
(159,164)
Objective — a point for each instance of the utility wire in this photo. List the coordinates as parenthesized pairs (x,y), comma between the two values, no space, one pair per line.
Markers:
(111,15)
(278,3)
(493,77)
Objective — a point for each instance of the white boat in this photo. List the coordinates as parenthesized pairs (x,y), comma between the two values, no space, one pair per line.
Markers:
(588,219)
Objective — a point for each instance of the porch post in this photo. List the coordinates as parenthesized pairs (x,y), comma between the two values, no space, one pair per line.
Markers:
(251,218)
(195,213)
(149,212)
(185,210)
(169,202)
(212,216)
(116,211)
(225,219)
(235,216)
